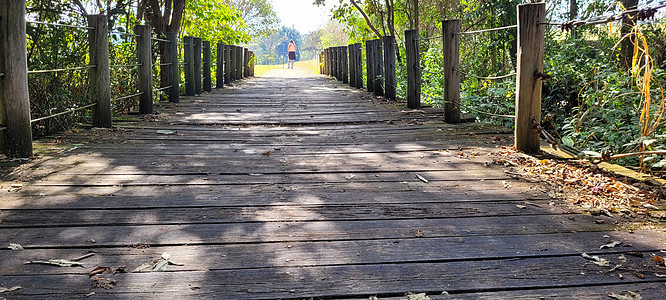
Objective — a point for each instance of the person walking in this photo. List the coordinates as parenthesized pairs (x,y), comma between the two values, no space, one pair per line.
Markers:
(292,54)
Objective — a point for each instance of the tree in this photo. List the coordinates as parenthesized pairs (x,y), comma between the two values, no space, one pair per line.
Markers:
(259,17)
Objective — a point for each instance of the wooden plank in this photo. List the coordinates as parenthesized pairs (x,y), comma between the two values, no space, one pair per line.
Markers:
(20,218)
(196,234)
(339,253)
(334,281)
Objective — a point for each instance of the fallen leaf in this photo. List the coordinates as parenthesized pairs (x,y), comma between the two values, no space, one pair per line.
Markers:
(659,275)
(596,260)
(55,262)
(350,176)
(98,270)
(266,153)
(11,289)
(166,256)
(421,178)
(102,282)
(650,206)
(659,260)
(639,275)
(418,233)
(610,245)
(161,266)
(15,247)
(143,267)
(167,132)
(171,262)
(629,295)
(521,206)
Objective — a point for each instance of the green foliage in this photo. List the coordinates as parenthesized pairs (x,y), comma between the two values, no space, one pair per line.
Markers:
(214,22)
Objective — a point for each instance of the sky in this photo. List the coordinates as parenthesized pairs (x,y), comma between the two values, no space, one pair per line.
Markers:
(302,14)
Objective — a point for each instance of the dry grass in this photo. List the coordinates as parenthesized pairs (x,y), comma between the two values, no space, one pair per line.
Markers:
(305,64)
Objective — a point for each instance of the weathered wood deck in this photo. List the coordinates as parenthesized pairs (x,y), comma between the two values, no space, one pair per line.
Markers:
(299,187)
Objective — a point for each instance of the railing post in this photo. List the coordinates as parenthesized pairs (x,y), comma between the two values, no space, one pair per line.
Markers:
(227,64)
(451,51)
(207,80)
(100,76)
(252,60)
(352,65)
(327,61)
(336,61)
(413,69)
(321,67)
(345,64)
(359,65)
(144,59)
(174,70)
(219,62)
(379,67)
(239,62)
(16,139)
(246,62)
(369,64)
(189,66)
(389,67)
(528,83)
(197,65)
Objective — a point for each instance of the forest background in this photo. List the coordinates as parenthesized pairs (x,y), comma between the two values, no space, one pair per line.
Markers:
(593,101)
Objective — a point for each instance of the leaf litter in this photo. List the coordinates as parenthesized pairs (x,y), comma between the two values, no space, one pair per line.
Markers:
(15,247)
(587,187)
(11,289)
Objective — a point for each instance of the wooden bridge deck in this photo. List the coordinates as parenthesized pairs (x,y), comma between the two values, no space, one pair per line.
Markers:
(297,187)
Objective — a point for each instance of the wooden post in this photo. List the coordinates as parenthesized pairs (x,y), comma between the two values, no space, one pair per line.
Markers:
(528,84)
(328,61)
(369,64)
(344,64)
(207,80)
(389,67)
(144,59)
(219,62)
(227,64)
(359,65)
(451,41)
(321,63)
(232,55)
(189,66)
(197,65)
(379,67)
(239,62)
(174,77)
(246,63)
(413,69)
(100,77)
(252,61)
(16,139)
(352,70)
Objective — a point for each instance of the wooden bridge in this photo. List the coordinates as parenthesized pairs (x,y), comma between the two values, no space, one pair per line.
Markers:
(296,186)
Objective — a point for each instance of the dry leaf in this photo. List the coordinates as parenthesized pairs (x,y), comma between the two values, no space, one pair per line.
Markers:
(629,295)
(418,233)
(15,247)
(610,245)
(143,267)
(266,153)
(659,260)
(161,266)
(350,176)
(421,178)
(596,260)
(98,270)
(521,206)
(55,262)
(102,282)
(11,289)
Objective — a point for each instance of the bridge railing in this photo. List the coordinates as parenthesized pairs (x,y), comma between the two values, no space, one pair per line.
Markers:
(231,62)
(381,72)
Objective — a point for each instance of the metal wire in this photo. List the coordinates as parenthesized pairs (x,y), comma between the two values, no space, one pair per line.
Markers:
(126,66)
(182,84)
(2,74)
(62,113)
(430,38)
(127,97)
(61,70)
(163,88)
(486,30)
(160,40)
(3,128)
(60,25)
(124,33)
(165,64)
(489,114)
(642,14)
